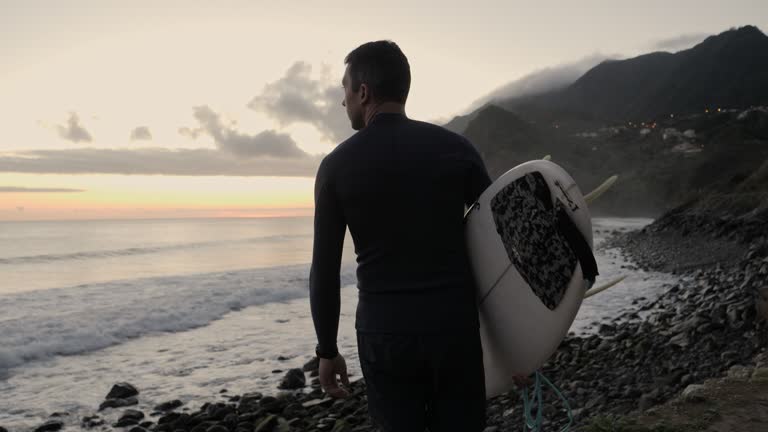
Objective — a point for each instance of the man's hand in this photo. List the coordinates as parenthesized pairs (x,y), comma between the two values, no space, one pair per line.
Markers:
(329,368)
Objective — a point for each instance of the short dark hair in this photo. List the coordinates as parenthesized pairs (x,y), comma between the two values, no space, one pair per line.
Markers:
(384,67)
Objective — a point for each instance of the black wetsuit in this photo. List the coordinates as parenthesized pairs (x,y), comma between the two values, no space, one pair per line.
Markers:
(401,186)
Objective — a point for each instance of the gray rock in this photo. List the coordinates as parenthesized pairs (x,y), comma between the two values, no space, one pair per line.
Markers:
(579,412)
(267,424)
(686,379)
(122,390)
(251,397)
(219,411)
(293,379)
(739,372)
(294,410)
(217,428)
(760,374)
(169,406)
(681,339)
(694,393)
(249,402)
(646,402)
(311,365)
(727,356)
(118,403)
(50,426)
(129,418)
(595,402)
(202,427)
(91,421)
(169,418)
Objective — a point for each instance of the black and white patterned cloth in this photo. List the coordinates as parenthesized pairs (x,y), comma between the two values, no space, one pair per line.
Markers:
(526,220)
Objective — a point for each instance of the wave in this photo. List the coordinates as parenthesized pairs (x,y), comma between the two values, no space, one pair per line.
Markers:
(44,258)
(65,321)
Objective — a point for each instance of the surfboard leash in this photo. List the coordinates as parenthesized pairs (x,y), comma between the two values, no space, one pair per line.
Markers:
(535,423)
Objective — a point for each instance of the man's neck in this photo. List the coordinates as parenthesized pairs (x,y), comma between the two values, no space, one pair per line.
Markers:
(386,107)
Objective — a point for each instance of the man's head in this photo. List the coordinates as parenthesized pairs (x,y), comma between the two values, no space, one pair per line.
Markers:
(377,74)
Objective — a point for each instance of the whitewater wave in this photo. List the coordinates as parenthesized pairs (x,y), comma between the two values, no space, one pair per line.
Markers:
(44,258)
(65,321)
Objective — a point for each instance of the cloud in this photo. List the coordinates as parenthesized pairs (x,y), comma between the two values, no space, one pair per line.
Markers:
(680,42)
(141,133)
(268,153)
(297,98)
(542,80)
(267,143)
(13,189)
(191,133)
(151,161)
(74,131)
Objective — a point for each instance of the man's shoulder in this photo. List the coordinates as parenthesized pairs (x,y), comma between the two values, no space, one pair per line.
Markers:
(331,159)
(440,131)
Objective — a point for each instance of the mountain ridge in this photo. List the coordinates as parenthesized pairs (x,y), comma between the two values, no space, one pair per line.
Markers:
(649,119)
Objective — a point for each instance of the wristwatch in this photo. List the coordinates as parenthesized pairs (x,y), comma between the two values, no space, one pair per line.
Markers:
(328,353)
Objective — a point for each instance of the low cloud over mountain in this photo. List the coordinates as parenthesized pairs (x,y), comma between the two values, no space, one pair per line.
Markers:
(543,80)
(679,42)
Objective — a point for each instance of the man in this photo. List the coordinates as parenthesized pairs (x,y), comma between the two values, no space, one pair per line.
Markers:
(401,186)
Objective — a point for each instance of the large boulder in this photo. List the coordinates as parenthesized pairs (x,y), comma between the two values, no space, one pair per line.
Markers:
(122,390)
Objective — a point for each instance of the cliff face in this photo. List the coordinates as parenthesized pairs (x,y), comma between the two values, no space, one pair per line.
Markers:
(677,128)
(661,164)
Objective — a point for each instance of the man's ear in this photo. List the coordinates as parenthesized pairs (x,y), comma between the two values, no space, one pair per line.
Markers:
(365,94)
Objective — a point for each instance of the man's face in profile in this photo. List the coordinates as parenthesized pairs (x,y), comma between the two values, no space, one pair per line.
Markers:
(352,102)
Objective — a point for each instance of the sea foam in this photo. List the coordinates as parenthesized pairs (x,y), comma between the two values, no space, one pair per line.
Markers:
(64,321)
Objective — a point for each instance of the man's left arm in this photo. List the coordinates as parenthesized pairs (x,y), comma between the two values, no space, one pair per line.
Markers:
(324,277)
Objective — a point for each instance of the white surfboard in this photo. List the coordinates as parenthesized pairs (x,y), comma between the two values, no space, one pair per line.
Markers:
(529,279)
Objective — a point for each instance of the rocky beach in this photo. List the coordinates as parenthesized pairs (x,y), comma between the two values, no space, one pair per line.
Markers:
(712,323)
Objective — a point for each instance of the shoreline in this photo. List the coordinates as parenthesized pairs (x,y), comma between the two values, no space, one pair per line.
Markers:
(696,330)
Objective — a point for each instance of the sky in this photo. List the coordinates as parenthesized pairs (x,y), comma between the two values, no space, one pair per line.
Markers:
(145,109)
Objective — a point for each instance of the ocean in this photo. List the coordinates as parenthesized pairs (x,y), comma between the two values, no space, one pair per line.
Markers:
(184,309)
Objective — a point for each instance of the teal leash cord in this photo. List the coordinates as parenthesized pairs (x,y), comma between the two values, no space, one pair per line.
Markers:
(535,424)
